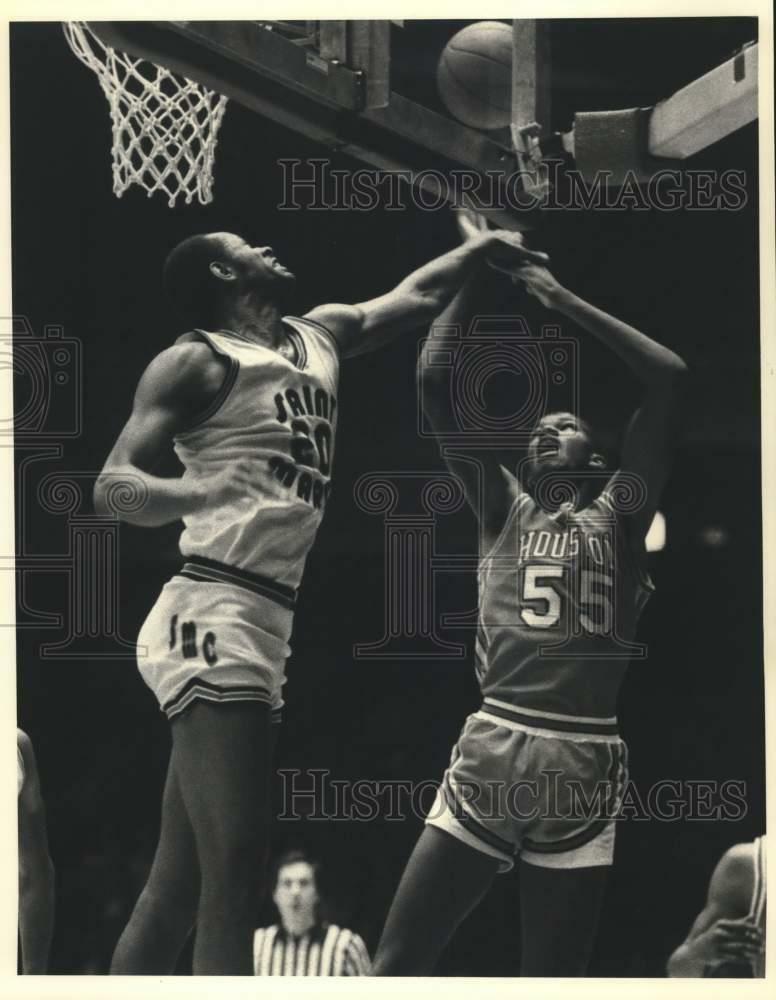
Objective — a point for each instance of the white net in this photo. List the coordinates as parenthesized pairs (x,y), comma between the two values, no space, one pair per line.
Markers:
(165,127)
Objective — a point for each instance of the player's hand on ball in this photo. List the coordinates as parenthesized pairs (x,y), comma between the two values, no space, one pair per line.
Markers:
(508,252)
(538,282)
(470,223)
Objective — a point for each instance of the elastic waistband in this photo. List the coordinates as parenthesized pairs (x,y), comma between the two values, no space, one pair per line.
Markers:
(550,721)
(209,571)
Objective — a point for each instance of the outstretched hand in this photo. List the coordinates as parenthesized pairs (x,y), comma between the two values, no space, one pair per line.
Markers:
(507,251)
(538,281)
(470,223)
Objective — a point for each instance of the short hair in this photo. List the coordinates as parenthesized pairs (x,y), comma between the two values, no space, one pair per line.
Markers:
(194,291)
(580,421)
(294,857)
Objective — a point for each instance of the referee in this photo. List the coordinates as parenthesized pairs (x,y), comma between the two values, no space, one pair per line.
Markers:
(302,944)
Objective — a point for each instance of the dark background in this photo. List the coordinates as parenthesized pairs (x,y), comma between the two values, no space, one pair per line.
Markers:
(693,711)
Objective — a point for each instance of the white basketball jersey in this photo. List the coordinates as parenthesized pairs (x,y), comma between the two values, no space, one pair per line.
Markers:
(280,417)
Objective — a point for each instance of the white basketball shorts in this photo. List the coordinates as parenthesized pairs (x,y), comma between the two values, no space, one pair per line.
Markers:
(219,634)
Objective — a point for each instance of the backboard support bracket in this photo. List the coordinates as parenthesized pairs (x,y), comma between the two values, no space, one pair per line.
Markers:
(337,107)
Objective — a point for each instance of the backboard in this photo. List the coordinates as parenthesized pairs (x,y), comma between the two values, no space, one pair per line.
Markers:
(365,90)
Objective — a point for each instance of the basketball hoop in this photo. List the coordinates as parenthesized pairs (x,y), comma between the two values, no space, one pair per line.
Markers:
(165,127)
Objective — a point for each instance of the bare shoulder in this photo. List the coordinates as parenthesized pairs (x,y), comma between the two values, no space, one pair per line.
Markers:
(187,358)
(24,743)
(733,879)
(343,322)
(188,368)
(334,313)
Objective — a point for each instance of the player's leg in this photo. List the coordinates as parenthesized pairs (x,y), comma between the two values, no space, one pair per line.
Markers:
(223,761)
(567,848)
(443,881)
(559,911)
(164,914)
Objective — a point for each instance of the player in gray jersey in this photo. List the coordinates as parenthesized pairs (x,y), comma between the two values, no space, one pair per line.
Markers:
(538,771)
(248,400)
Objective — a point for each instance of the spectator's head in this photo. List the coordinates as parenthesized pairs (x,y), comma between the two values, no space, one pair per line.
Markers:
(296,891)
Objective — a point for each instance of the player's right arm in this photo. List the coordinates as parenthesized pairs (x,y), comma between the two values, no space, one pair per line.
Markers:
(722,933)
(36,871)
(177,385)
(478,470)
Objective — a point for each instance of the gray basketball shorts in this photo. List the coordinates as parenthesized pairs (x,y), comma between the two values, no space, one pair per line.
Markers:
(540,786)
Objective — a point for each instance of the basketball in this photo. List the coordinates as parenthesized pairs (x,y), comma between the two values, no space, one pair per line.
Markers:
(474,75)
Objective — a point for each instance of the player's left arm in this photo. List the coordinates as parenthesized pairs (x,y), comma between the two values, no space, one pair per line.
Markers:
(420,297)
(650,434)
(36,871)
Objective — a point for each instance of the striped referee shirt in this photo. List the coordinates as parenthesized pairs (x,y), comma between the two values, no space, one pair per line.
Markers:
(325,950)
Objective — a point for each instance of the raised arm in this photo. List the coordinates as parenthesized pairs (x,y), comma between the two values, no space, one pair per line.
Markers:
(36,872)
(722,934)
(650,433)
(420,297)
(478,469)
(177,386)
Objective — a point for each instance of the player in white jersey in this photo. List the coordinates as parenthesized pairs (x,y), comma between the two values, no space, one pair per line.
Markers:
(248,400)
(538,771)
(727,939)
(36,872)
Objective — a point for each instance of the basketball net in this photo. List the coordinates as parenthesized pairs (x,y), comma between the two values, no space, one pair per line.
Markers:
(165,127)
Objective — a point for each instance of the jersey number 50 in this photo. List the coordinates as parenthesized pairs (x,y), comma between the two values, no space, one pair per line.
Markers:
(540,600)
(312,451)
